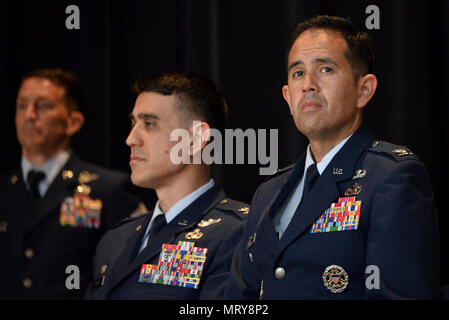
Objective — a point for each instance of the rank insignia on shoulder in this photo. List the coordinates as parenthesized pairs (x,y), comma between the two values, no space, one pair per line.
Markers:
(354,190)
(86,177)
(335,279)
(204,223)
(341,216)
(402,152)
(244,210)
(80,211)
(195,234)
(179,265)
(3,226)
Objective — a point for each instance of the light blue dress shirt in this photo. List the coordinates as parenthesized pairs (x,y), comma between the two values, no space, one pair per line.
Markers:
(285,213)
(176,209)
(51,169)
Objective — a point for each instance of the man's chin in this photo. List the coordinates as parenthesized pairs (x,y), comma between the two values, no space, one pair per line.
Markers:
(143,183)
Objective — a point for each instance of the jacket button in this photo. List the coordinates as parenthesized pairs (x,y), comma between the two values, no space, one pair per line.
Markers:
(279,273)
(29,253)
(27,283)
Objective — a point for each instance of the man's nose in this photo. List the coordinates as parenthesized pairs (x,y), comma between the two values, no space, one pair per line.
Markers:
(133,138)
(309,83)
(30,111)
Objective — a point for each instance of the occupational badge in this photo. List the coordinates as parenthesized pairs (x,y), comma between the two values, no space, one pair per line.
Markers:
(354,190)
(341,216)
(205,223)
(195,234)
(86,177)
(335,279)
(179,265)
(359,174)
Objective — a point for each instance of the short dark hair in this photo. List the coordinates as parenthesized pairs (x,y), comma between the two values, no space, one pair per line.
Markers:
(199,95)
(360,52)
(64,79)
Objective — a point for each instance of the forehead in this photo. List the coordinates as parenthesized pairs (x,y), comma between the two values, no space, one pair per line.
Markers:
(40,87)
(152,102)
(318,42)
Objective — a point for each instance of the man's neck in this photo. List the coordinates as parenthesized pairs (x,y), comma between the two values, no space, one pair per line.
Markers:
(322,145)
(37,159)
(181,187)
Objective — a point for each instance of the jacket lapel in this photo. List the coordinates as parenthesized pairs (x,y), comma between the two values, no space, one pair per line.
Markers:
(281,191)
(190,216)
(326,190)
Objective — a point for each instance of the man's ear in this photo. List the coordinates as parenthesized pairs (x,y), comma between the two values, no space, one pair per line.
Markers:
(75,122)
(200,136)
(366,86)
(286,95)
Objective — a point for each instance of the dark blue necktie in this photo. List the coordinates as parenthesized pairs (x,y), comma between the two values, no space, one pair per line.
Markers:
(34,178)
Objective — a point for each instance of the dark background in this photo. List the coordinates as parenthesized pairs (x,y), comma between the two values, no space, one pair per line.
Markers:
(240,45)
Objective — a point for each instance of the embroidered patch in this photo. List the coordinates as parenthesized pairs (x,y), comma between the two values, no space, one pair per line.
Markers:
(341,216)
(179,265)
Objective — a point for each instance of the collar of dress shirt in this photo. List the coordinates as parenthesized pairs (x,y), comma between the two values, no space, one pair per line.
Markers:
(326,159)
(183,203)
(51,167)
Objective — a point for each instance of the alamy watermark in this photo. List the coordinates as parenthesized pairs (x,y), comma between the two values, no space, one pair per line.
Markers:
(213,151)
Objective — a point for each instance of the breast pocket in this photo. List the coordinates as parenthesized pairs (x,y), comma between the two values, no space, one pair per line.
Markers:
(335,238)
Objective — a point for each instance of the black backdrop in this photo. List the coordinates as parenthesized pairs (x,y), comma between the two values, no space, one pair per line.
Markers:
(239,44)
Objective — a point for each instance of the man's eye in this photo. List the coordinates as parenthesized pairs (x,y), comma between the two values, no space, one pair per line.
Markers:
(43,106)
(326,69)
(298,74)
(149,124)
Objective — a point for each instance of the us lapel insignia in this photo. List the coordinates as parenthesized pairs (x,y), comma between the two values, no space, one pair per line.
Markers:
(3,226)
(341,216)
(359,174)
(179,265)
(80,210)
(86,177)
(103,269)
(251,241)
(402,152)
(354,190)
(14,179)
(67,174)
(195,234)
(244,210)
(337,171)
(204,223)
(335,279)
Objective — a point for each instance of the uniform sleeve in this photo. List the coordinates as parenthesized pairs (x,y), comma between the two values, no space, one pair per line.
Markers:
(403,239)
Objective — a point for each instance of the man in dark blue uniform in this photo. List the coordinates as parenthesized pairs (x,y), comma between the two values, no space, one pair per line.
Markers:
(55,206)
(183,248)
(355,217)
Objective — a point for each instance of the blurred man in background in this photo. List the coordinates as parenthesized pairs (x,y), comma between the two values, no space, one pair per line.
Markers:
(55,206)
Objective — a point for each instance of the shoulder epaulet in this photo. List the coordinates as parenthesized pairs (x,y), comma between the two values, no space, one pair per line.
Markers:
(129,219)
(398,153)
(238,207)
(279,171)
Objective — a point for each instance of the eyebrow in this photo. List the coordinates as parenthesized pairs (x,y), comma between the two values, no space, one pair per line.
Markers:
(144,116)
(320,60)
